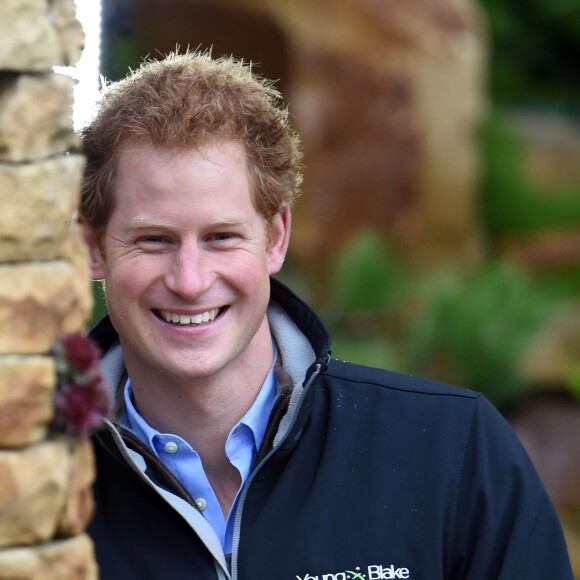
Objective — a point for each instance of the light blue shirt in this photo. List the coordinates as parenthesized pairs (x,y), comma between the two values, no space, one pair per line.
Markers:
(182,460)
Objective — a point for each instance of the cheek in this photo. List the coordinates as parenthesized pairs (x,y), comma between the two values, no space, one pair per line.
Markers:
(249,280)
(252,271)
(130,279)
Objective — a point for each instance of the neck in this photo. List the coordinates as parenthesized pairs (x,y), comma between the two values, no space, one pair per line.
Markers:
(200,411)
(202,416)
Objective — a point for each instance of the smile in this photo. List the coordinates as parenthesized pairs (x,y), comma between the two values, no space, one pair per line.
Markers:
(186,319)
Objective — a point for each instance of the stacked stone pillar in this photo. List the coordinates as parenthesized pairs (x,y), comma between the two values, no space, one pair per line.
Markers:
(45,499)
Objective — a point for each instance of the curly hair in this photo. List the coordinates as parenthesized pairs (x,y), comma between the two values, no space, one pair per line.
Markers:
(187,101)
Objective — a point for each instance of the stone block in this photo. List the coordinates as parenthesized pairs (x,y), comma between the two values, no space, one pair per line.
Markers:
(71,559)
(76,252)
(35,116)
(39,302)
(33,487)
(45,491)
(69,29)
(38,201)
(28,39)
(79,503)
(26,386)
(36,35)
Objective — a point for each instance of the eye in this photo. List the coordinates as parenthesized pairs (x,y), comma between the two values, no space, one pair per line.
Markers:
(222,240)
(153,243)
(221,236)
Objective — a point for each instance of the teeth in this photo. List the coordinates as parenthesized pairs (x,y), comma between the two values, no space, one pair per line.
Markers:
(187,319)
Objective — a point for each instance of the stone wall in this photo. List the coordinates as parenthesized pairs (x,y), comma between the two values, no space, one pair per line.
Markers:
(45,499)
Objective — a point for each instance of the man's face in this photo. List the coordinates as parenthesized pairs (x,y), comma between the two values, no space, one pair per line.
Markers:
(186,259)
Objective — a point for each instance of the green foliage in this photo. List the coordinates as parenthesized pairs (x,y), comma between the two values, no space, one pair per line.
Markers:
(536,47)
(469,330)
(367,276)
(99,304)
(474,331)
(510,202)
(574,383)
(373,350)
(561,285)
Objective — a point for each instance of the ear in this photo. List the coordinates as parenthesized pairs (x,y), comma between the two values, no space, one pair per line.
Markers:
(96,259)
(279,238)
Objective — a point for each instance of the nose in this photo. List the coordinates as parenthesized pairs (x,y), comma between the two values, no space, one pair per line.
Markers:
(190,272)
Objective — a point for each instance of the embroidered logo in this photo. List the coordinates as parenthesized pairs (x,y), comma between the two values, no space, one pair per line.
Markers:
(372,572)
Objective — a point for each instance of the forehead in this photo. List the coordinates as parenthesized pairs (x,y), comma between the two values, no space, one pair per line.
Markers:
(201,180)
(145,166)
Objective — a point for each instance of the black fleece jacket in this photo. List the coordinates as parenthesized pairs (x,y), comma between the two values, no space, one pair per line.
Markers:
(369,475)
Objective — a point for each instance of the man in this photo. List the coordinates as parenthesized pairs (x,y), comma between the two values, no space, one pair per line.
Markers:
(239,448)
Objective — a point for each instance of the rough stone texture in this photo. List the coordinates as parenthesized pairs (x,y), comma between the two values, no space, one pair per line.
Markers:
(45,484)
(36,35)
(26,386)
(28,40)
(38,201)
(35,116)
(71,559)
(70,31)
(79,503)
(40,301)
(76,253)
(34,484)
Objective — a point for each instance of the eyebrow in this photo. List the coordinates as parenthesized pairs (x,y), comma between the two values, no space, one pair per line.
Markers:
(229,221)
(144,223)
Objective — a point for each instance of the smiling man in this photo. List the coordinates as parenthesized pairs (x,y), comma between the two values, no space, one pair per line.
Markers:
(239,448)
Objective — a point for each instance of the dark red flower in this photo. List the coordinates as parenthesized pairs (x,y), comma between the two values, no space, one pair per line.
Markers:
(81,352)
(85,407)
(81,399)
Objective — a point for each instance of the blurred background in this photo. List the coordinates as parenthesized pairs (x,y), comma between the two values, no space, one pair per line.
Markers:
(439,228)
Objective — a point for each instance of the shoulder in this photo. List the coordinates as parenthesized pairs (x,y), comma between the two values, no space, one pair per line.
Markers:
(368,377)
(455,418)
(410,407)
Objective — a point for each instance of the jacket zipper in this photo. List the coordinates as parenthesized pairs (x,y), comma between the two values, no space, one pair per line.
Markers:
(174,486)
(244,493)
